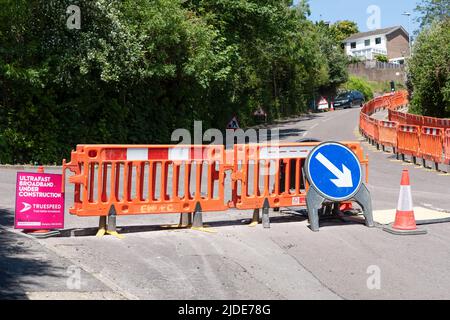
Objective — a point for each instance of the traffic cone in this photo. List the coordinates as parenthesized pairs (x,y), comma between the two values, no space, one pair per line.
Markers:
(346,206)
(404,223)
(332,106)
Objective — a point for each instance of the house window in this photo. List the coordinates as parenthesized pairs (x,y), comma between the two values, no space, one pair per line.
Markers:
(377,40)
(367,42)
(353,45)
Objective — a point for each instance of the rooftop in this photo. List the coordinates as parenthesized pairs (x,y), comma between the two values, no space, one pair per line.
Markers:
(374,33)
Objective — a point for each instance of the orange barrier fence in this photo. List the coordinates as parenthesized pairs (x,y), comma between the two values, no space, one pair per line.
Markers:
(146,179)
(431,144)
(408,140)
(447,147)
(387,133)
(152,179)
(408,134)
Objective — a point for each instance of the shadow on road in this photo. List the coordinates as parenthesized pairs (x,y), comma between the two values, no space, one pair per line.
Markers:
(20,262)
(288,217)
(284,133)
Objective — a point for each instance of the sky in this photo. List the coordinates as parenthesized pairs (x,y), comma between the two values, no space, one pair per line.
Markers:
(389,12)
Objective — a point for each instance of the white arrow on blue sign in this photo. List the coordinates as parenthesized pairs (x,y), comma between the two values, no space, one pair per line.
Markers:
(334,171)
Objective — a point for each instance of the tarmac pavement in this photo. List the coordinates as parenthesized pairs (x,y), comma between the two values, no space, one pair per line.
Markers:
(344,260)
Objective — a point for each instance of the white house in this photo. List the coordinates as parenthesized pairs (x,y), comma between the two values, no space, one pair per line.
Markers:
(392,42)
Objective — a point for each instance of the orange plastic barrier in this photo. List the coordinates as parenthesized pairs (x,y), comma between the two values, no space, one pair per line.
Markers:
(417,136)
(431,144)
(146,179)
(370,128)
(447,147)
(387,133)
(143,179)
(408,140)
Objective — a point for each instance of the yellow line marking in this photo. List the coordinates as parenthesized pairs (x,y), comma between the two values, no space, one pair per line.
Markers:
(115,234)
(203,229)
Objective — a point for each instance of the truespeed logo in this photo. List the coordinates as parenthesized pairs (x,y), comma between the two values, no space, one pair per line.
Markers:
(26,207)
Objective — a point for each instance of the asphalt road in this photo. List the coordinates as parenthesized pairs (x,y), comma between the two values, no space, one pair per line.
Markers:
(287,261)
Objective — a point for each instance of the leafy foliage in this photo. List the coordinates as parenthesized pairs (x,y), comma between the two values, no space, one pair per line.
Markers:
(432,10)
(382,58)
(361,85)
(341,30)
(429,71)
(138,69)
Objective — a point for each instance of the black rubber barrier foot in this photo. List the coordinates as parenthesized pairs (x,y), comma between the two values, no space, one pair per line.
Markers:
(111,228)
(185,220)
(101,227)
(265,214)
(255,218)
(198,219)
(397,232)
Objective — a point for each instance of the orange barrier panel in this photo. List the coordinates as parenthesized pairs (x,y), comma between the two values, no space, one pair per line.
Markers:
(443,123)
(387,133)
(371,129)
(146,179)
(416,135)
(276,173)
(447,147)
(431,144)
(408,140)
(143,179)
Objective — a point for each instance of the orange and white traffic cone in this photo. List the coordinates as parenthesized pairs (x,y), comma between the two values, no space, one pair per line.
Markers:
(405,222)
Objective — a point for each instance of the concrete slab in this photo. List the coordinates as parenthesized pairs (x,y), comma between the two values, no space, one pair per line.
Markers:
(386,217)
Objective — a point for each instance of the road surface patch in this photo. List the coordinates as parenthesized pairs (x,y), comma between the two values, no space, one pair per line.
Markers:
(385,217)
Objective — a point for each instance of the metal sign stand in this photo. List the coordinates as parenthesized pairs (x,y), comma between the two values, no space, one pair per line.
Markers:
(314,202)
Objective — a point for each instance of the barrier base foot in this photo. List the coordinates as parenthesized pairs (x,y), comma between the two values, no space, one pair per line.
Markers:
(101,227)
(255,219)
(204,229)
(101,232)
(42,234)
(398,232)
(115,234)
(265,214)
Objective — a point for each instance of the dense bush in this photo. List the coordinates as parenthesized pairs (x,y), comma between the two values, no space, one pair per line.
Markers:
(360,84)
(136,70)
(429,71)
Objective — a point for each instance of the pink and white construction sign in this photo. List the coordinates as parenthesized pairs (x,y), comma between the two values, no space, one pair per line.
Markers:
(39,201)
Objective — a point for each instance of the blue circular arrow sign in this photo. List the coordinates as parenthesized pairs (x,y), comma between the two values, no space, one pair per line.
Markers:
(334,171)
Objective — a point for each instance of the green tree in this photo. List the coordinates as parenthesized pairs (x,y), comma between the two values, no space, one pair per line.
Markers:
(381,58)
(341,30)
(429,71)
(131,74)
(138,69)
(333,60)
(432,10)
(361,85)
